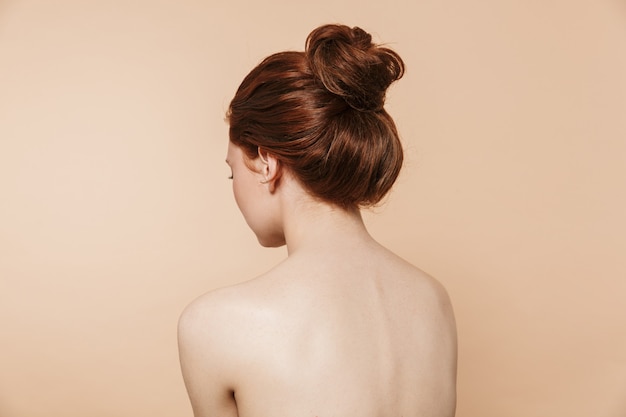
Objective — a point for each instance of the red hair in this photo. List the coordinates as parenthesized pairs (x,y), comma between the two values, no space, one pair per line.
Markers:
(320,113)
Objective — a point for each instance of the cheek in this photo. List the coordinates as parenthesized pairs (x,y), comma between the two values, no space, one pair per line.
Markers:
(244,193)
(257,213)
(239,195)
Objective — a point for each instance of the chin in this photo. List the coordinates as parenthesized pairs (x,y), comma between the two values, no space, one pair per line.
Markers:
(271,241)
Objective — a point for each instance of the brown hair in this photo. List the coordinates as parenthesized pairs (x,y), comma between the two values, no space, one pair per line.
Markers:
(320,112)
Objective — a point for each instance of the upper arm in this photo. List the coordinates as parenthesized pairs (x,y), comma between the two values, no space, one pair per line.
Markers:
(205,361)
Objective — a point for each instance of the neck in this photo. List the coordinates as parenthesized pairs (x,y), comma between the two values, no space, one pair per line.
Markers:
(311,225)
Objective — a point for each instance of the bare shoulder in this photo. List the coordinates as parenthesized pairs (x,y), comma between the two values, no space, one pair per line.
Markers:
(430,325)
(436,294)
(204,316)
(211,343)
(214,318)
(229,314)
(428,302)
(424,286)
(208,309)
(438,309)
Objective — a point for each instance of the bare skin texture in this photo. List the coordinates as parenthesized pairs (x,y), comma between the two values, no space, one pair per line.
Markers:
(341,328)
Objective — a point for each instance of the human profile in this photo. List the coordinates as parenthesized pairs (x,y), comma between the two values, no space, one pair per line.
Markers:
(342,327)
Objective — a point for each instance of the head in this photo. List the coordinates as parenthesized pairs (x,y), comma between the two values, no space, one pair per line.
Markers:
(320,114)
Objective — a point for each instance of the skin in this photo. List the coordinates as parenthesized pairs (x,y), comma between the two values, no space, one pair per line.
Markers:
(341,328)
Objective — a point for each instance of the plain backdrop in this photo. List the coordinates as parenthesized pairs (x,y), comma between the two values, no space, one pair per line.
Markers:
(116,211)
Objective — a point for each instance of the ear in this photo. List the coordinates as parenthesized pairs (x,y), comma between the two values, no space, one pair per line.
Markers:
(271,169)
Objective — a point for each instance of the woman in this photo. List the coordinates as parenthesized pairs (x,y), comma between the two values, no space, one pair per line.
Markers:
(342,327)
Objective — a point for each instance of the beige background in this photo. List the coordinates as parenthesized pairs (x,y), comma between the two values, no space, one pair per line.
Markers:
(115,209)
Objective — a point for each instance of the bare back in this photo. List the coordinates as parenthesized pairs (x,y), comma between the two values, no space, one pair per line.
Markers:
(341,328)
(362,333)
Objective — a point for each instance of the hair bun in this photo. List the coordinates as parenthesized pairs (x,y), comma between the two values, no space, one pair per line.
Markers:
(349,65)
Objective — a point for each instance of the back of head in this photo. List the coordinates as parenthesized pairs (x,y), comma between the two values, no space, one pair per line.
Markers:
(321,113)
